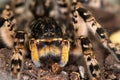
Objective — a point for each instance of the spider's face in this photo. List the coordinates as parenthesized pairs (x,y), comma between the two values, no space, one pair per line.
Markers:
(47,35)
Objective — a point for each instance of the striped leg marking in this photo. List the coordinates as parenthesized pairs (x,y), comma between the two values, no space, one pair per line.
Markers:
(16,64)
(91,62)
(34,52)
(18,54)
(96,28)
(65,53)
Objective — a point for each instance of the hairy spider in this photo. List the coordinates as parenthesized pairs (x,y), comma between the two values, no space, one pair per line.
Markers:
(58,30)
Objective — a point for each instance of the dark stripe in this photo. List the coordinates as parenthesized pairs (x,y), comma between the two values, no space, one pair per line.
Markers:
(85,41)
(19,5)
(94,75)
(89,59)
(16,62)
(91,67)
(74,3)
(20,35)
(15,43)
(118,56)
(11,18)
(101,31)
(18,69)
(12,69)
(96,67)
(75,21)
(2,20)
(81,12)
(11,28)
(63,5)
(20,53)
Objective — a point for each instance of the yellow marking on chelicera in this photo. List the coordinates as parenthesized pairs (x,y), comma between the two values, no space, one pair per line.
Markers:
(65,52)
(34,52)
(53,50)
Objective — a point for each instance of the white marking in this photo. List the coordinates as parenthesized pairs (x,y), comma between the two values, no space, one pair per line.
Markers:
(86,46)
(21,40)
(87,13)
(82,71)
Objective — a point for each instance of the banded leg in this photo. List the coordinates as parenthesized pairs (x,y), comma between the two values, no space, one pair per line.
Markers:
(7,26)
(65,53)
(96,28)
(16,64)
(18,54)
(91,62)
(34,52)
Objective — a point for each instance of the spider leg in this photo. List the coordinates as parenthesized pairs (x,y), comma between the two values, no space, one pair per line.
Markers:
(7,27)
(91,62)
(65,53)
(16,64)
(97,29)
(18,54)
(34,52)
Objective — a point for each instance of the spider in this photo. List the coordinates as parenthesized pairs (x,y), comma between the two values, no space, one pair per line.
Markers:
(58,31)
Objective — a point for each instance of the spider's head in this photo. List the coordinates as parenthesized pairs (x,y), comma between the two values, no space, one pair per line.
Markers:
(45,28)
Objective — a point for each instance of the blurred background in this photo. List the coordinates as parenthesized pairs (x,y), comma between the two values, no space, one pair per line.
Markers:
(107,13)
